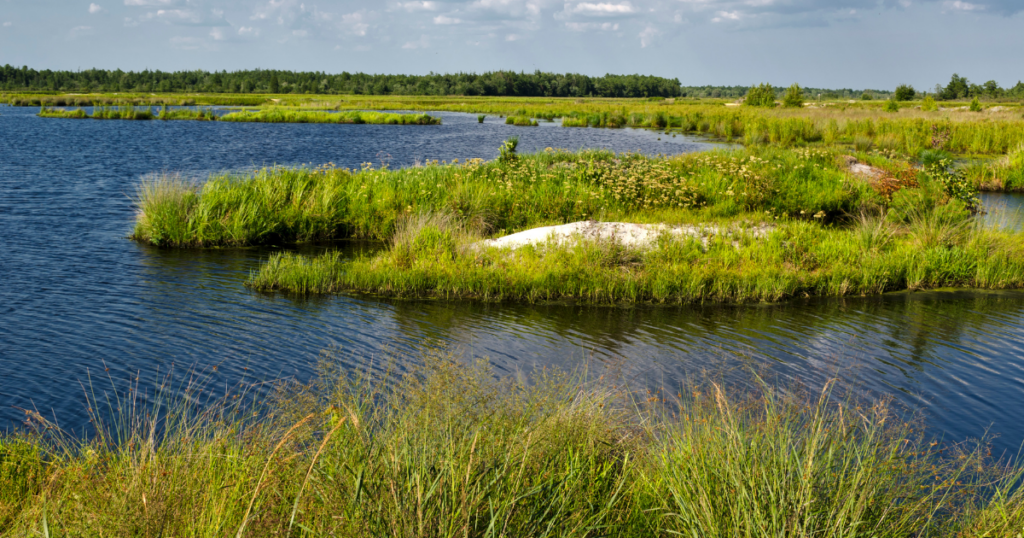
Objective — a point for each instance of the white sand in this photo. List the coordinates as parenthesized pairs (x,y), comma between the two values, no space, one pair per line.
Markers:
(623,233)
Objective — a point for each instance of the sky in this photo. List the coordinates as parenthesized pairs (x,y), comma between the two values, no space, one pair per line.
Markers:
(817,43)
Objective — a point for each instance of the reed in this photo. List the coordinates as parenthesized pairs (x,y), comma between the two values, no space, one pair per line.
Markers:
(296,205)
(994,132)
(451,450)
(276,115)
(521,121)
(931,249)
(76,114)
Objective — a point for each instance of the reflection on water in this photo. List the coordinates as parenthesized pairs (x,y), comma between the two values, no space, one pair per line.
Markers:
(1003,210)
(77,298)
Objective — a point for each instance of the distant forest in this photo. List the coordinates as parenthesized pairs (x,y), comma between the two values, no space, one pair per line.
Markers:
(496,83)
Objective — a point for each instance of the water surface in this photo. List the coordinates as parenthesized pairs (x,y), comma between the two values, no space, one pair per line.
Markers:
(76,298)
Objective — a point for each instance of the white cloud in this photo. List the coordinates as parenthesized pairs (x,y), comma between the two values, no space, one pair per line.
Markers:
(587,26)
(150,2)
(513,37)
(8,24)
(356,23)
(248,31)
(727,16)
(441,19)
(964,6)
(603,8)
(647,36)
(418,6)
(95,8)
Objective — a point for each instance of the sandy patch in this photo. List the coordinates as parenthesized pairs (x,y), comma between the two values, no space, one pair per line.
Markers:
(624,233)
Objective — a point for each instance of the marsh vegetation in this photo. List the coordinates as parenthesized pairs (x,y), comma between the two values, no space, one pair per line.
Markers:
(450,450)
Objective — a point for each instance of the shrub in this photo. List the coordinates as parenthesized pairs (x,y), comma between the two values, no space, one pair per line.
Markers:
(794,97)
(929,157)
(904,93)
(507,151)
(955,183)
(891,106)
(762,95)
(975,105)
(929,104)
(866,96)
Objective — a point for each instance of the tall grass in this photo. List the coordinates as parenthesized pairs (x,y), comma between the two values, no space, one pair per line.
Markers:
(931,250)
(76,114)
(833,123)
(451,451)
(521,121)
(128,112)
(276,115)
(294,205)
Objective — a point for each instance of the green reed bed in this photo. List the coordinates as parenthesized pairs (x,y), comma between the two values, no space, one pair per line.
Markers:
(1005,174)
(553,187)
(450,450)
(832,123)
(915,230)
(129,112)
(74,114)
(302,116)
(521,121)
(794,260)
(187,114)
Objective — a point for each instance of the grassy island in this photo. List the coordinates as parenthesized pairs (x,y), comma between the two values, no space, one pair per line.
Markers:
(275,115)
(271,115)
(788,223)
(450,451)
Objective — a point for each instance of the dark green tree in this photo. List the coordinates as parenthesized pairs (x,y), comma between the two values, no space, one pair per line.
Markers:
(794,97)
(275,85)
(958,88)
(905,92)
(762,95)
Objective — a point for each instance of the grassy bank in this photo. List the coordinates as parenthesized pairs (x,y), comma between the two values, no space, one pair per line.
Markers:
(451,451)
(553,187)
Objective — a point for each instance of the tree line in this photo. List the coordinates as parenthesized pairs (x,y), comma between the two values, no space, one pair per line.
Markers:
(496,83)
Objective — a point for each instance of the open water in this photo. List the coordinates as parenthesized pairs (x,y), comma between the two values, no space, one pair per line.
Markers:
(78,300)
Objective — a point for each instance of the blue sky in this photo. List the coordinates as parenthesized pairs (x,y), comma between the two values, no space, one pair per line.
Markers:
(844,43)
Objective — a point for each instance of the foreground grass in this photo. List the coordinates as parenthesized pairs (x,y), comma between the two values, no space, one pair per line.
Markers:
(295,205)
(451,451)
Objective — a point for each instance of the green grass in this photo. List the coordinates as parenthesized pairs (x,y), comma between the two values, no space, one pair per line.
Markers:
(128,112)
(829,124)
(521,121)
(553,187)
(300,116)
(74,114)
(936,249)
(451,451)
